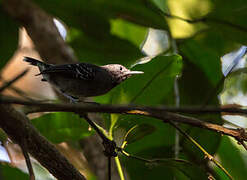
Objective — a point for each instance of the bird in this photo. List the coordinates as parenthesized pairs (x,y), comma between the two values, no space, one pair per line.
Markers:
(79,80)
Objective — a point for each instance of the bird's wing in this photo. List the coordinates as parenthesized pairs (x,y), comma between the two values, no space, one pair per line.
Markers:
(77,71)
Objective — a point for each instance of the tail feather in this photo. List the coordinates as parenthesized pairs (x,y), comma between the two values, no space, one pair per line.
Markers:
(36,62)
(33,61)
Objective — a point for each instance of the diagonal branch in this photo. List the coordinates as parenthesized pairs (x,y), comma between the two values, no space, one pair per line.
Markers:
(21,131)
(42,30)
(9,83)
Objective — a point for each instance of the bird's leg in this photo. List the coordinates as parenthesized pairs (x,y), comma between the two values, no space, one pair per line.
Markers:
(72,99)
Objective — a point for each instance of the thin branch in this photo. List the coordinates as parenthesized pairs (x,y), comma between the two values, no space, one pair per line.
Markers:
(210,157)
(17,90)
(207,19)
(10,82)
(109,167)
(152,161)
(162,113)
(95,127)
(28,162)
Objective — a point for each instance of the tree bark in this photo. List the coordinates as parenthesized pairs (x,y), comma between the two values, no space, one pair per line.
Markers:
(21,131)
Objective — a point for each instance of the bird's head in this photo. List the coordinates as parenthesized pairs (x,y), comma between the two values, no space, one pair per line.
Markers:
(120,73)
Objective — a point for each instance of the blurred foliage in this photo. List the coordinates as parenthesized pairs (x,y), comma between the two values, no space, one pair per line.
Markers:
(9,173)
(63,126)
(105,32)
(8,37)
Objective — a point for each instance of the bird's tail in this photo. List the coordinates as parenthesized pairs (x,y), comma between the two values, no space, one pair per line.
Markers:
(36,62)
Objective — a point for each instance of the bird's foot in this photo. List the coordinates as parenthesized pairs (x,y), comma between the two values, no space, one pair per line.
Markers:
(91,103)
(72,100)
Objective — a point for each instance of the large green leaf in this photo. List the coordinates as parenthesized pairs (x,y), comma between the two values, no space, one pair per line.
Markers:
(60,127)
(8,37)
(151,88)
(232,159)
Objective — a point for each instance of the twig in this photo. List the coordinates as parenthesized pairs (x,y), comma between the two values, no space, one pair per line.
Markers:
(119,168)
(210,157)
(9,83)
(161,113)
(28,162)
(109,167)
(151,161)
(243,144)
(109,145)
(95,127)
(41,107)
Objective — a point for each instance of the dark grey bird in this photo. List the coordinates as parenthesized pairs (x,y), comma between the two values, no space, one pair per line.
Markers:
(82,79)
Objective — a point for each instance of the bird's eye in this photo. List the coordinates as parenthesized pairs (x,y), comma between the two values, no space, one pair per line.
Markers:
(121,68)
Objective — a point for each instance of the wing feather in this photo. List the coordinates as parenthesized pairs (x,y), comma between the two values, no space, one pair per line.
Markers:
(79,71)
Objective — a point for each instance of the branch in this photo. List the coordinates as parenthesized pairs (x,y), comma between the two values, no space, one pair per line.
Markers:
(162,113)
(21,131)
(208,20)
(28,162)
(9,83)
(41,29)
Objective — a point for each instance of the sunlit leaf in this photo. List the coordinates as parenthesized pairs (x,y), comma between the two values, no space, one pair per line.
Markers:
(232,158)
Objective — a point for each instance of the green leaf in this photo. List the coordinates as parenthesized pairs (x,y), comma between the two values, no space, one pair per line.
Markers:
(153,87)
(129,31)
(232,158)
(141,170)
(90,16)
(229,19)
(62,126)
(8,37)
(138,132)
(9,173)
(3,136)
(205,51)
(104,51)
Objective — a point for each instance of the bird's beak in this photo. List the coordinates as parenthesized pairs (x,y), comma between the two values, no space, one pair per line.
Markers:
(134,72)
